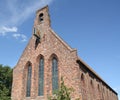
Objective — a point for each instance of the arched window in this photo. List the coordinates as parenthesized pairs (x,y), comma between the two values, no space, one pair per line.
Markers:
(91,82)
(41,77)
(82,79)
(98,88)
(29,75)
(54,74)
(41,17)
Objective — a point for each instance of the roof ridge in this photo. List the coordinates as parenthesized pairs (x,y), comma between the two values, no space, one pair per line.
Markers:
(62,41)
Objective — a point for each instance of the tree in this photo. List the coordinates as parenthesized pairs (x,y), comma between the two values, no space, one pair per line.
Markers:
(5,82)
(63,93)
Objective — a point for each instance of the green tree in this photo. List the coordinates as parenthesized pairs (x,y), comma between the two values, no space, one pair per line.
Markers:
(5,82)
(63,93)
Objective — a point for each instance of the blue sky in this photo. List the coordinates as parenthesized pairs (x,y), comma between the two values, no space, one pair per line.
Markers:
(90,26)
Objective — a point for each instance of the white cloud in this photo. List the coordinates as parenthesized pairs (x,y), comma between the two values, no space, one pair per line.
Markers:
(20,11)
(20,36)
(4,30)
(15,12)
(16,35)
(13,30)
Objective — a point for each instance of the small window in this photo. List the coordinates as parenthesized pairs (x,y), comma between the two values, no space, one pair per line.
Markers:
(98,87)
(91,82)
(41,17)
(82,77)
(103,90)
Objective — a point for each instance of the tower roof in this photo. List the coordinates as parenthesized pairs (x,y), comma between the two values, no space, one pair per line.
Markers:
(46,7)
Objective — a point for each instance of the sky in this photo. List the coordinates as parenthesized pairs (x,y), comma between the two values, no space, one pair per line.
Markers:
(90,26)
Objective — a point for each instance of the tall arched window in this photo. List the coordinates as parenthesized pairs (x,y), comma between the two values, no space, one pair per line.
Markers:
(29,75)
(41,77)
(54,74)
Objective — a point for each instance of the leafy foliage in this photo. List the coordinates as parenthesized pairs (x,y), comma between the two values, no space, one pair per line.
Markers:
(63,93)
(5,82)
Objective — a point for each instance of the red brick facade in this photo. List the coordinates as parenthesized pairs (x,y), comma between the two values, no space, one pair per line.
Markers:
(86,83)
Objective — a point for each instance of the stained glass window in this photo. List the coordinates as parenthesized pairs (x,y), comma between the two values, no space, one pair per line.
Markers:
(54,74)
(28,90)
(41,77)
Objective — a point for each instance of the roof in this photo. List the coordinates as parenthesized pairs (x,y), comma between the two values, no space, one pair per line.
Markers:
(80,61)
(46,7)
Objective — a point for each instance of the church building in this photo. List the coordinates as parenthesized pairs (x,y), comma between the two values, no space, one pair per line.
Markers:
(46,59)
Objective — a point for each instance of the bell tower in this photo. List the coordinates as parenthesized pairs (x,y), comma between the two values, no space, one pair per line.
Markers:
(41,23)
(42,17)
